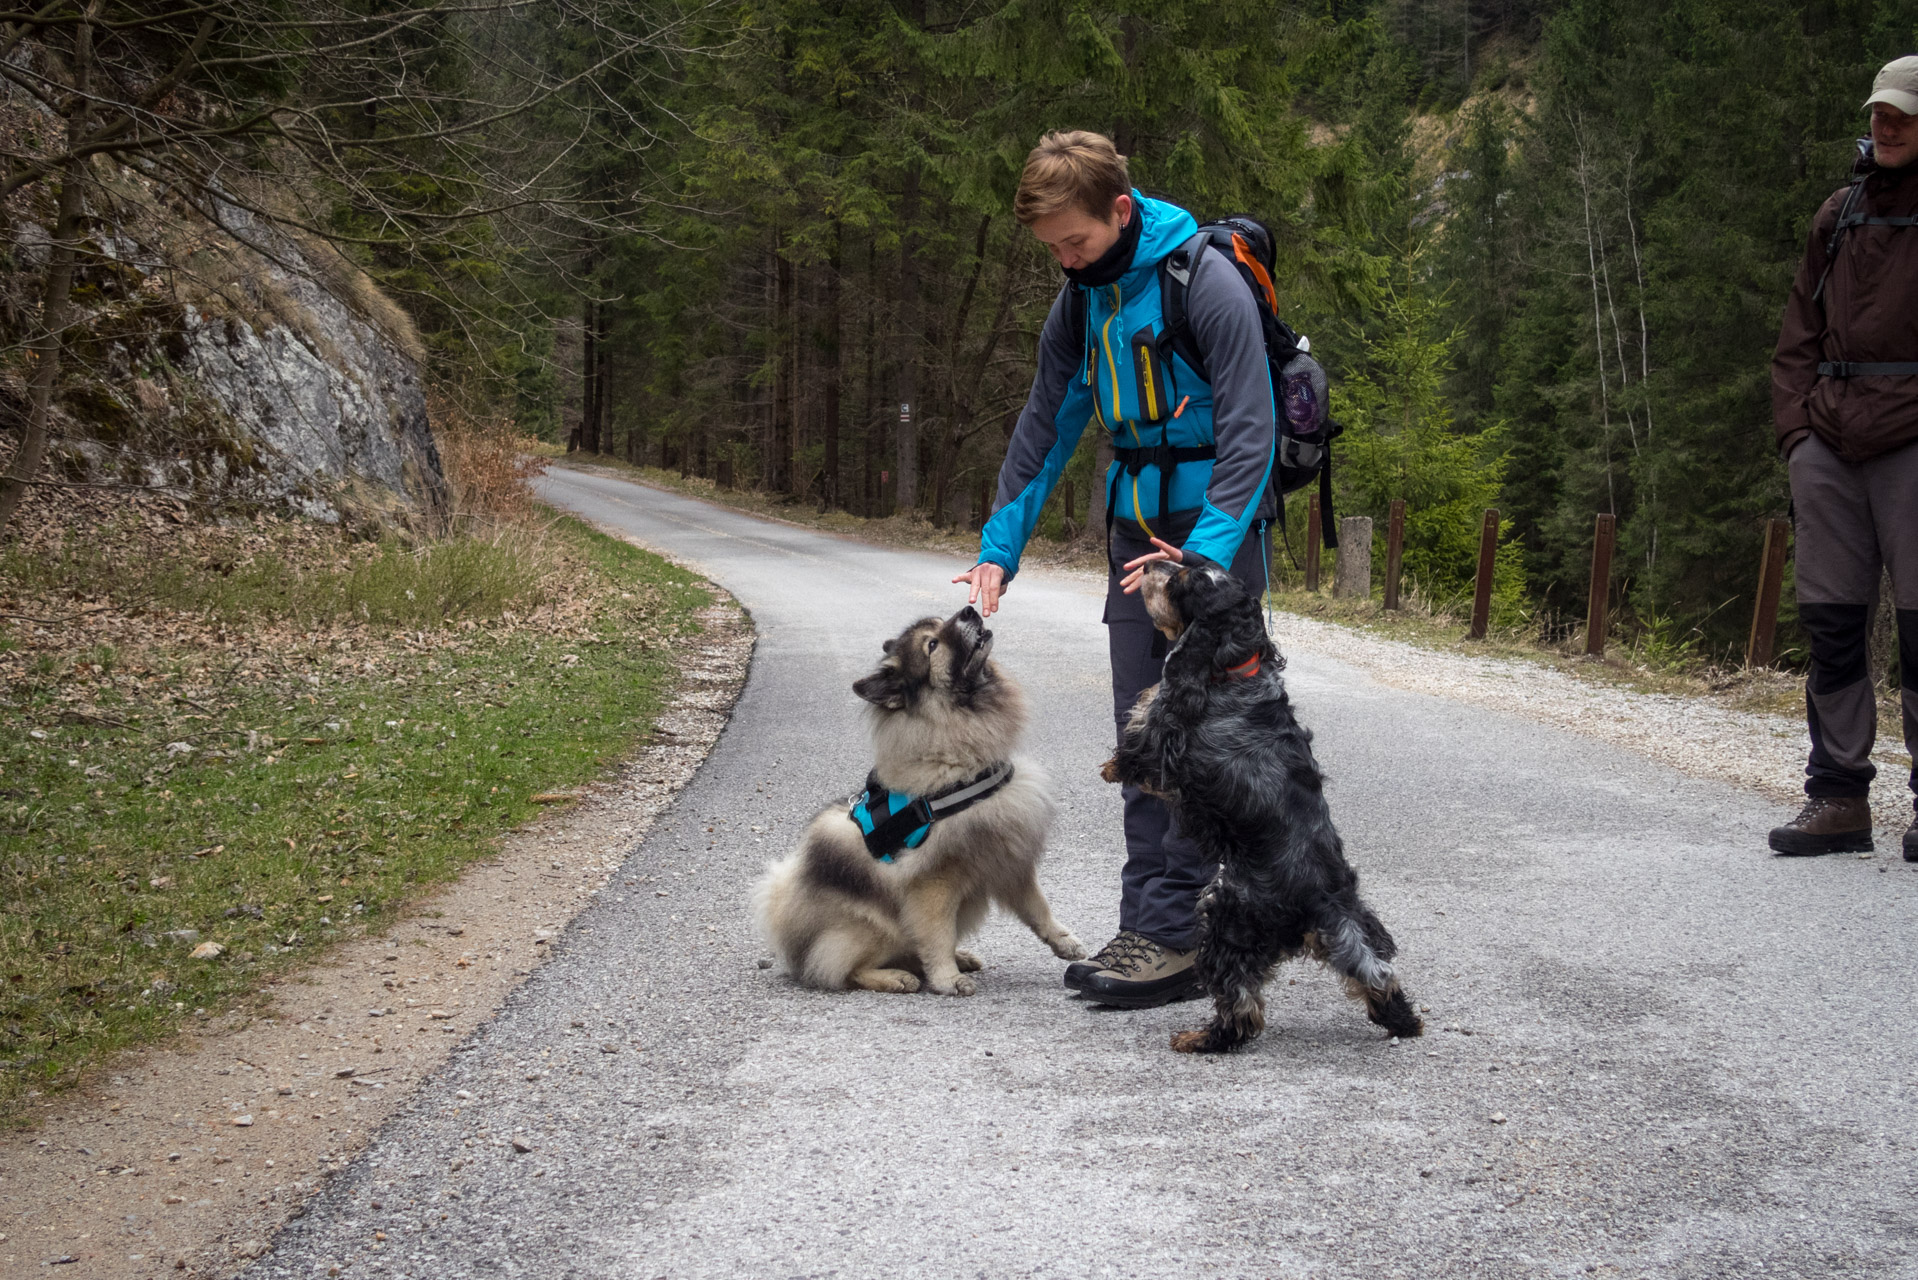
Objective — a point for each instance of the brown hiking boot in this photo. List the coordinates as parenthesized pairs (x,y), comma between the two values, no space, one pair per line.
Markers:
(1079,971)
(1145,974)
(1827,824)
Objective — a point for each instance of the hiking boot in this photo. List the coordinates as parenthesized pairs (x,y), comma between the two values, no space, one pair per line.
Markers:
(1080,970)
(1145,974)
(1911,841)
(1827,824)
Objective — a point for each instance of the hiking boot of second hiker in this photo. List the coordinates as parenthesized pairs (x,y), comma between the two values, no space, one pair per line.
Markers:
(1827,824)
(1147,975)
(1911,841)
(1079,971)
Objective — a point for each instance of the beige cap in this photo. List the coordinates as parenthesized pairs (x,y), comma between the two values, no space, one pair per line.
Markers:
(1897,84)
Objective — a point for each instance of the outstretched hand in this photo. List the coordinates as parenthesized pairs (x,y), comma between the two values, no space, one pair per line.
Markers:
(987,582)
(1166,551)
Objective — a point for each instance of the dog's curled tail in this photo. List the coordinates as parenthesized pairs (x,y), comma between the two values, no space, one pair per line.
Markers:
(1356,944)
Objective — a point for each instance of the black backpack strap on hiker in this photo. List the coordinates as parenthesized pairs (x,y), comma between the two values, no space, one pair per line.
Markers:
(1845,223)
(1328,523)
(1166,458)
(1175,335)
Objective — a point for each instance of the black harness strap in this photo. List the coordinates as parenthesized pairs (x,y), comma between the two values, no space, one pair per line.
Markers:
(1860,220)
(890,834)
(1165,457)
(1868,369)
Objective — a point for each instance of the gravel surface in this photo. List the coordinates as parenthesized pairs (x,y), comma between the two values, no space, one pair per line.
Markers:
(1694,735)
(1654,1050)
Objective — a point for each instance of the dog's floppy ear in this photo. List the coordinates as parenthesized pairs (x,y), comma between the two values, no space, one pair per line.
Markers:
(884,687)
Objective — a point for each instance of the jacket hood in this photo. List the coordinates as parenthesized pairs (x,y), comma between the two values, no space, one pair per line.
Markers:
(1163,227)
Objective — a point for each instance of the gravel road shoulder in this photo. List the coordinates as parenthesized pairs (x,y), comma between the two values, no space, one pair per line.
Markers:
(187,1159)
(1697,735)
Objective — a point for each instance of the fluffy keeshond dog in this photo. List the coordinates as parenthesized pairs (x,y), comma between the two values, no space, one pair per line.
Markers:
(882,904)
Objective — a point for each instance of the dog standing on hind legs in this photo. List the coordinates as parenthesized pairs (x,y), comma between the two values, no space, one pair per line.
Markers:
(1216,738)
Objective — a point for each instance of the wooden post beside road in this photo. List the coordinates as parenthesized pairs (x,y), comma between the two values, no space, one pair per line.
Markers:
(1487,563)
(1771,581)
(1596,613)
(1394,551)
(1352,579)
(1312,544)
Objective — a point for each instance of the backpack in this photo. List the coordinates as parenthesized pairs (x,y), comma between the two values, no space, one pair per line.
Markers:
(1306,429)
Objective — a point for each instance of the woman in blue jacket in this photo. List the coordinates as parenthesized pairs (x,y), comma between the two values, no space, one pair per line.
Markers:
(1191,481)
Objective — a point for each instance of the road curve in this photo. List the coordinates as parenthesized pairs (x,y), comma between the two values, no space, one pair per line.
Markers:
(1654,1051)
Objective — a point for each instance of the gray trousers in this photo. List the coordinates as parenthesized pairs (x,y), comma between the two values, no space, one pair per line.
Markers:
(1164,870)
(1853,521)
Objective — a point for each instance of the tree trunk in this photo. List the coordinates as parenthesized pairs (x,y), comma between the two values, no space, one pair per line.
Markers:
(589,378)
(783,479)
(907,478)
(829,491)
(602,385)
(56,295)
(875,442)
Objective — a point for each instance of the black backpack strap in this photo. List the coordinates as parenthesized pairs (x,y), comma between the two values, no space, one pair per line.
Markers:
(1328,523)
(1175,282)
(1845,222)
(1166,458)
(1868,369)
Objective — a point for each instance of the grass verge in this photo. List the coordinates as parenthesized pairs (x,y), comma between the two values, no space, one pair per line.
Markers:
(206,776)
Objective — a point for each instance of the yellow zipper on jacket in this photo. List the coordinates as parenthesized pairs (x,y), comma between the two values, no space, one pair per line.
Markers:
(1112,366)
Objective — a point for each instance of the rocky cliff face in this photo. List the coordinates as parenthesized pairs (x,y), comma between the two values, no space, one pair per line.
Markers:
(235,364)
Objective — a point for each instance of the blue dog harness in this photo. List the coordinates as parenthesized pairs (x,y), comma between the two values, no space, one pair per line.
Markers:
(892,820)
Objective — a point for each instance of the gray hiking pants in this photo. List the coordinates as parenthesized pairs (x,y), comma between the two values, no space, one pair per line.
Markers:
(1853,520)
(1164,870)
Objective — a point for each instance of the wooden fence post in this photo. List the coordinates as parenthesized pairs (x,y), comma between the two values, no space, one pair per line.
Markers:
(1771,581)
(1487,562)
(1352,578)
(1394,551)
(1596,613)
(1312,544)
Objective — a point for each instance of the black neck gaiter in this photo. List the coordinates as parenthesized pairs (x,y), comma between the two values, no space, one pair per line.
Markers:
(1115,262)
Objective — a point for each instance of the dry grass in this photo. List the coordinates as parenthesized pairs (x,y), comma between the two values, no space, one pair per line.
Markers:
(488,462)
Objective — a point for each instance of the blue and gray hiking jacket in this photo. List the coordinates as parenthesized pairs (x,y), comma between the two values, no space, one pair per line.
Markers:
(1118,375)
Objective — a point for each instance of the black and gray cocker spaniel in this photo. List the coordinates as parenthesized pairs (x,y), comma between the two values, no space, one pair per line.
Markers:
(1216,739)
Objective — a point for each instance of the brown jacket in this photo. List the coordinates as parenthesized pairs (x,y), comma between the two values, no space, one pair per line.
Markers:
(1869,314)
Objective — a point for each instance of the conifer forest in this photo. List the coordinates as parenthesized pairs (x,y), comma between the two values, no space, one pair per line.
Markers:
(1542,246)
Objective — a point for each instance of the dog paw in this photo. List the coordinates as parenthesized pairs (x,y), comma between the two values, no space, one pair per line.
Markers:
(960,985)
(967,962)
(1067,947)
(1110,770)
(1191,1042)
(892,981)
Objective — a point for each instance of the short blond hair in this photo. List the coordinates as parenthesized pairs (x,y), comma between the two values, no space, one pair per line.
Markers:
(1069,169)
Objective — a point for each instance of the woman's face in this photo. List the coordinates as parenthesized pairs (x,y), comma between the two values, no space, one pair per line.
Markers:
(1078,239)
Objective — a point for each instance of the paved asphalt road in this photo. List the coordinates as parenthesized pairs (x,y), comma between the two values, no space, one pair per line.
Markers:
(1653,1049)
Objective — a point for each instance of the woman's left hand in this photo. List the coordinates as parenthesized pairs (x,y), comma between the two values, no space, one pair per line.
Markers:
(1137,568)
